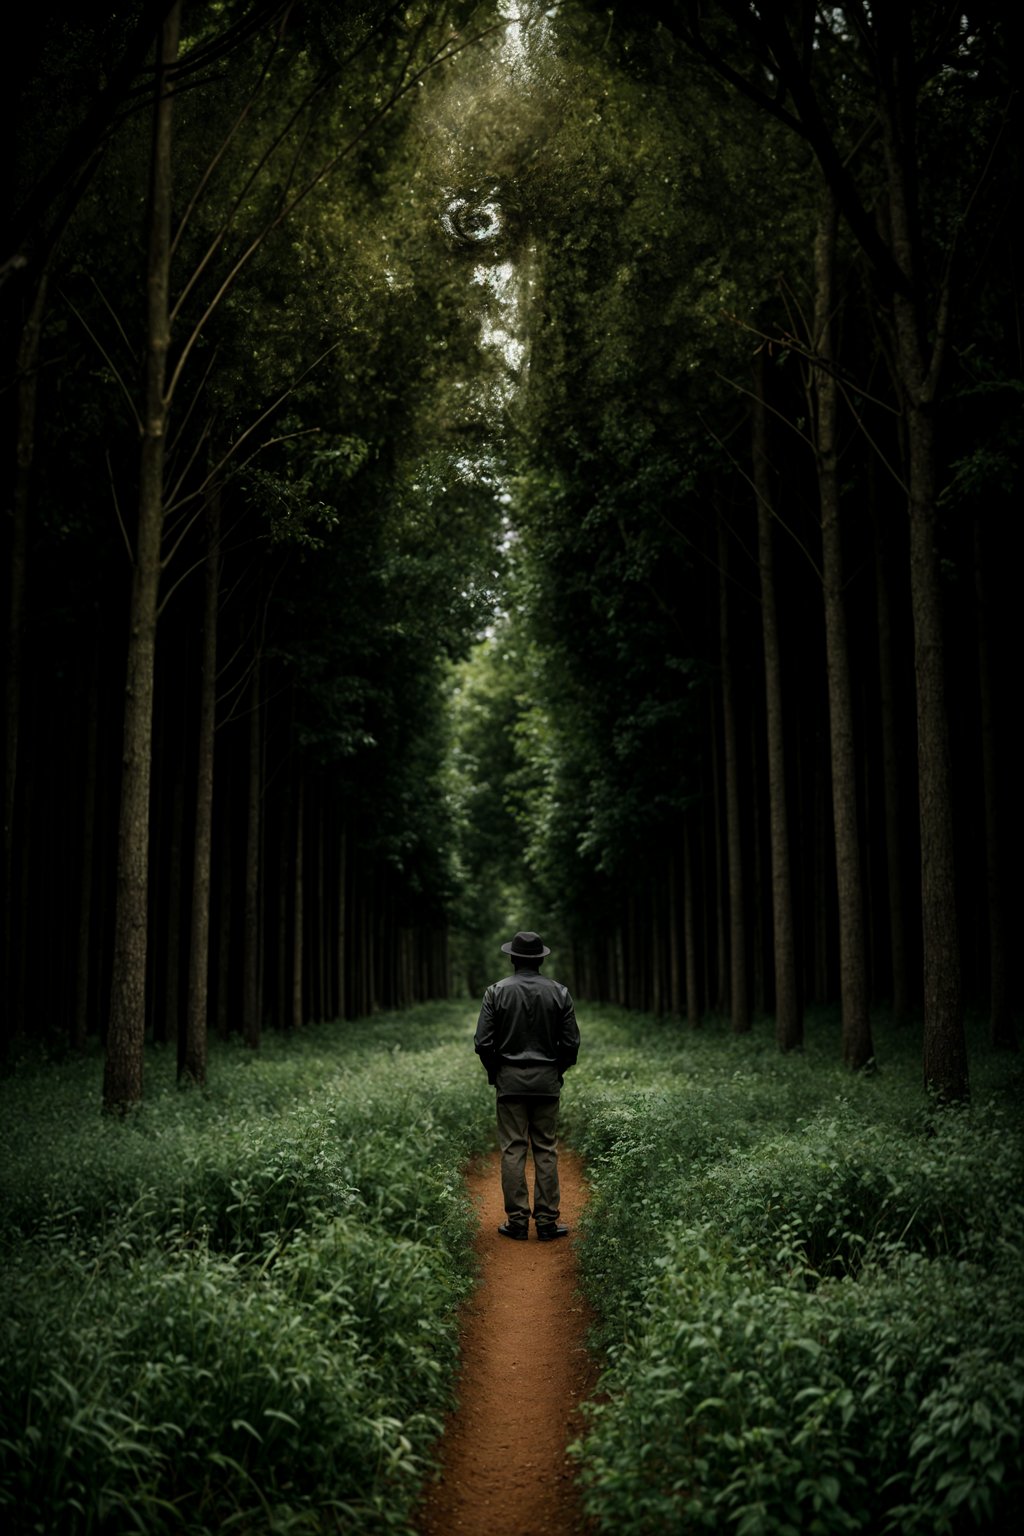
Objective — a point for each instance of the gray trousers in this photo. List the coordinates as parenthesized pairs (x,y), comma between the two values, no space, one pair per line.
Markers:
(532,1122)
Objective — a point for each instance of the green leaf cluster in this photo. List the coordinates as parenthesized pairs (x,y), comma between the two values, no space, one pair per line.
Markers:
(809,1290)
(237,1308)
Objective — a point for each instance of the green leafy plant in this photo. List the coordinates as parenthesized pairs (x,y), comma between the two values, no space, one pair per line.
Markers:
(809,1289)
(238,1310)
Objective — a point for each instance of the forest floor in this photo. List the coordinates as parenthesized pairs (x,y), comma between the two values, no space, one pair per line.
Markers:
(525,1370)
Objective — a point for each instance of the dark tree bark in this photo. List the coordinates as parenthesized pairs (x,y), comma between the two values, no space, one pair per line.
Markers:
(857,1046)
(225,957)
(693,1009)
(296,1017)
(739,1006)
(675,993)
(122,1082)
(823,882)
(86,877)
(760,913)
(657,996)
(192,1064)
(341,929)
(619,954)
(945,1048)
(323,948)
(1003,1033)
(168,1012)
(891,784)
(788,1017)
(251,1002)
(27,375)
(718,884)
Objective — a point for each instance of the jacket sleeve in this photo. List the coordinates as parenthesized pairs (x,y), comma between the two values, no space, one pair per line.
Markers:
(483,1041)
(568,1035)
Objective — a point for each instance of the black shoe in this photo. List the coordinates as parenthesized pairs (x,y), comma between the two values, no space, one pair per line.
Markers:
(518,1234)
(549,1233)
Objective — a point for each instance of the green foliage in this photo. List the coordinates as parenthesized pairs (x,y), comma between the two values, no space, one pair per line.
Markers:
(809,1288)
(236,1309)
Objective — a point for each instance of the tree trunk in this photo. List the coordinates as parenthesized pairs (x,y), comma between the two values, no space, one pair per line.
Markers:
(759,902)
(168,1013)
(945,1049)
(821,884)
(282,929)
(322,946)
(298,913)
(689,931)
(251,937)
(857,1046)
(192,1064)
(739,1006)
(342,918)
(86,878)
(675,1002)
(945,1052)
(619,994)
(635,988)
(27,391)
(1003,1035)
(891,784)
(225,894)
(654,930)
(789,1030)
(122,1081)
(717,892)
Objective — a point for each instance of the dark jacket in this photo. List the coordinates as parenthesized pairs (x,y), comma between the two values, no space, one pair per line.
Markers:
(527,1035)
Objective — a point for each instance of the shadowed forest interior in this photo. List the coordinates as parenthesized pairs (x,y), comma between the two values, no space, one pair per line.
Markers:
(488,466)
(491,465)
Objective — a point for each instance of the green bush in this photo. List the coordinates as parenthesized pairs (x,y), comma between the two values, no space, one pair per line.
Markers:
(237,1310)
(810,1289)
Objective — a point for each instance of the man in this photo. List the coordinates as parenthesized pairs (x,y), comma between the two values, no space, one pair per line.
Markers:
(527,1038)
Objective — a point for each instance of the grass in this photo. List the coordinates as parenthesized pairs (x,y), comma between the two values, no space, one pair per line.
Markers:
(810,1287)
(237,1310)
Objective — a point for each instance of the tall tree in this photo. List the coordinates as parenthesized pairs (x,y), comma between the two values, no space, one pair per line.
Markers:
(193,1046)
(739,1007)
(788,1013)
(824,397)
(122,1081)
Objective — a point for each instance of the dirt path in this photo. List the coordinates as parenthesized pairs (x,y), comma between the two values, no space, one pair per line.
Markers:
(524,1371)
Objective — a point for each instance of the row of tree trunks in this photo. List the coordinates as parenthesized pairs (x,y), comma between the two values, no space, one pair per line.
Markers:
(674,951)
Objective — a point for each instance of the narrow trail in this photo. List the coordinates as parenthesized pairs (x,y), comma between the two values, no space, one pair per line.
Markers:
(525,1370)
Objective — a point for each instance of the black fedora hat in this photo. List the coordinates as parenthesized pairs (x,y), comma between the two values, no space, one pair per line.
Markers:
(526,946)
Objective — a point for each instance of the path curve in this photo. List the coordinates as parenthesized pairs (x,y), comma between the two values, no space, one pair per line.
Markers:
(524,1371)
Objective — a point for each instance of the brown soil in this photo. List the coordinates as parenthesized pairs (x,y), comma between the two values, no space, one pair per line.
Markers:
(525,1369)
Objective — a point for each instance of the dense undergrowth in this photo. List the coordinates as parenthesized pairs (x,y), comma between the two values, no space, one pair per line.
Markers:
(235,1311)
(810,1287)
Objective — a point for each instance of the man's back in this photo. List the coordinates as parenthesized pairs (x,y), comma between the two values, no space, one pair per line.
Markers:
(527,1034)
(526,1037)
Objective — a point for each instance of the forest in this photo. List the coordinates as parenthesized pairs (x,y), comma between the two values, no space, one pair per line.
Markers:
(478,466)
(469,460)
